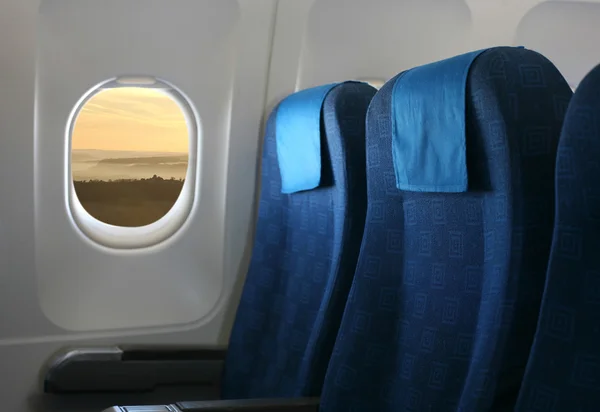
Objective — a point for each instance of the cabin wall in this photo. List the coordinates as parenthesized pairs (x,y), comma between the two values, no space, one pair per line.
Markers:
(56,288)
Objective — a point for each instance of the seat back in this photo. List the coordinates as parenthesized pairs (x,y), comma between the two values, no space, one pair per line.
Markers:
(445,300)
(563,373)
(306,245)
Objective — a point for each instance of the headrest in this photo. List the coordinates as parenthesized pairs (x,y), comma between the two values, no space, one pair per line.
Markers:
(298,139)
(429,126)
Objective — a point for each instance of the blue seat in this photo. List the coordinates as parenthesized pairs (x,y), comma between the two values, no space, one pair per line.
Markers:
(563,372)
(444,304)
(306,245)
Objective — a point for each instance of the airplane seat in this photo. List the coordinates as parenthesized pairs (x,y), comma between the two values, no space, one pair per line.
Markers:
(563,372)
(310,224)
(444,303)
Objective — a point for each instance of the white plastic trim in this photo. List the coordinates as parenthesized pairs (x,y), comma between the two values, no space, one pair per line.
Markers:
(117,237)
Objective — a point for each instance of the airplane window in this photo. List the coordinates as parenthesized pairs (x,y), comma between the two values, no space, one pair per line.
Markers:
(131,169)
(129,155)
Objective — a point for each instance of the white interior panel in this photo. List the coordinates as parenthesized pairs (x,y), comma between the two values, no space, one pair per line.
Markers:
(567,32)
(83,286)
(356,39)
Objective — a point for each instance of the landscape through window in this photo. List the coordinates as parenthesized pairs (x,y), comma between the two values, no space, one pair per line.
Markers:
(129,155)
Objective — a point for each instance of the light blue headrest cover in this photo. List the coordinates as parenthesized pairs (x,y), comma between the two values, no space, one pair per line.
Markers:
(429,126)
(298,139)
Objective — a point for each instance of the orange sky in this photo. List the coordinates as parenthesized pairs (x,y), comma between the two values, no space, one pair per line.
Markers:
(131,118)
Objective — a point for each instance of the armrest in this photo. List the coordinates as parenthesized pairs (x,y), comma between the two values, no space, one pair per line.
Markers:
(131,368)
(238,405)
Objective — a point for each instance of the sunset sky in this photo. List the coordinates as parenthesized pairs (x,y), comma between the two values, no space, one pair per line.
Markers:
(131,118)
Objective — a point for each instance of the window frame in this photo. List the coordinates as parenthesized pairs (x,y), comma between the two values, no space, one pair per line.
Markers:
(120,237)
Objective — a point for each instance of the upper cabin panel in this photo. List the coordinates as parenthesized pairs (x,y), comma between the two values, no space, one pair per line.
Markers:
(566,32)
(350,39)
(320,41)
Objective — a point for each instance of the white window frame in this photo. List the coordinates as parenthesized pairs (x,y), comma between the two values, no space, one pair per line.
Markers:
(119,237)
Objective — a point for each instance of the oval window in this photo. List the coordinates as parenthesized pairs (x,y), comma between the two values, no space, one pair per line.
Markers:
(131,167)
(129,155)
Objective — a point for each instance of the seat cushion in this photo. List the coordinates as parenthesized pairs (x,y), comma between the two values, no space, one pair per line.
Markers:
(563,373)
(445,300)
(303,261)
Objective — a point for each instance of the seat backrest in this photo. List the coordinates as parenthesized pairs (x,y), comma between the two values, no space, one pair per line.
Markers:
(444,303)
(563,372)
(310,225)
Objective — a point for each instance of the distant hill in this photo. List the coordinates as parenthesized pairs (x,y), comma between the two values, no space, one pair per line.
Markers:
(113,164)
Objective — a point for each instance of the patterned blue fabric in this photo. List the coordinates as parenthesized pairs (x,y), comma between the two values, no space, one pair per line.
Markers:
(444,304)
(305,252)
(298,139)
(563,373)
(428,126)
